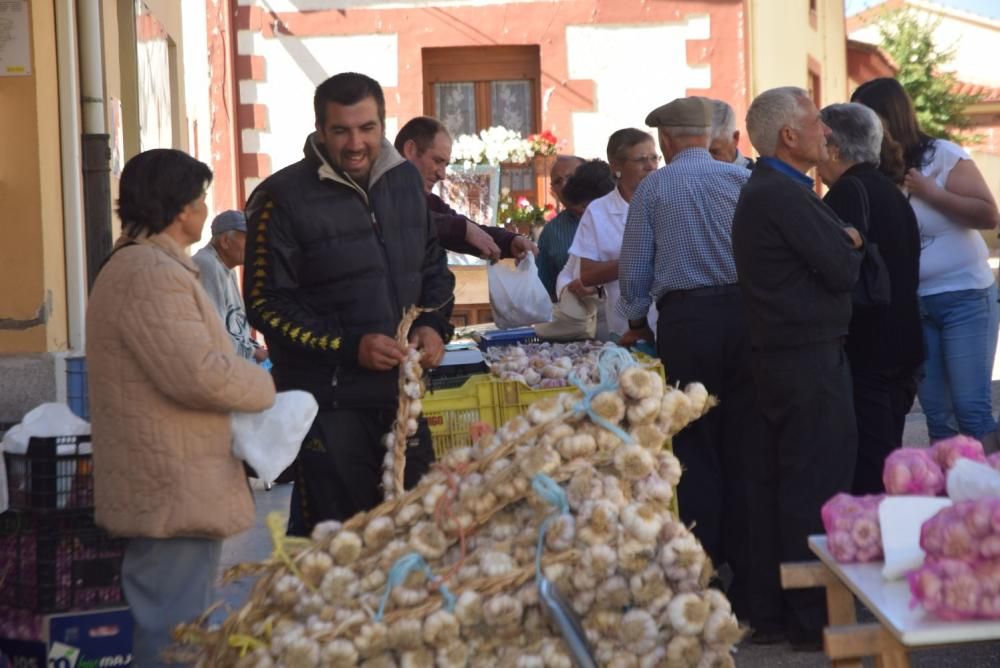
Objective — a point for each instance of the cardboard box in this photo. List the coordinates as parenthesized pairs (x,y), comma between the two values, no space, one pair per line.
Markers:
(91,639)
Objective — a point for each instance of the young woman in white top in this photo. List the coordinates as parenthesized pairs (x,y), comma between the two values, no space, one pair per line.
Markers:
(958,293)
(598,241)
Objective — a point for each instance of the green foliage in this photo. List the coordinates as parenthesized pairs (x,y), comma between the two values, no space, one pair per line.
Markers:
(924,73)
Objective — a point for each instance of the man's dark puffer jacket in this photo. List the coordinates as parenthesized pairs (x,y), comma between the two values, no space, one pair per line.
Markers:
(328,262)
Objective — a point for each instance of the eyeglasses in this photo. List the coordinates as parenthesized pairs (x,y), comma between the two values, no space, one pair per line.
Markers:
(643,159)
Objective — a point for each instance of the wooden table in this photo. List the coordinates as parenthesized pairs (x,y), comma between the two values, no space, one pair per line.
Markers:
(900,628)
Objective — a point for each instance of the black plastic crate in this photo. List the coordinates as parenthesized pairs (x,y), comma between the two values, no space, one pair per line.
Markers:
(53,562)
(455,375)
(42,479)
(507,337)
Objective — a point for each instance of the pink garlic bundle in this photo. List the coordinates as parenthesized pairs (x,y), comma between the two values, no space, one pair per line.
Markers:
(954,589)
(994,460)
(968,530)
(950,450)
(853,533)
(912,471)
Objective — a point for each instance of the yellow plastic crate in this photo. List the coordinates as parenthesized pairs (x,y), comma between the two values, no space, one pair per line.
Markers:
(452,413)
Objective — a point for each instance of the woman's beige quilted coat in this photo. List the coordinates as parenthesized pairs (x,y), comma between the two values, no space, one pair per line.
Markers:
(163,380)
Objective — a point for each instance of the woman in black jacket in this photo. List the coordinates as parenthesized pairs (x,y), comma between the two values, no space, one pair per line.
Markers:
(885,342)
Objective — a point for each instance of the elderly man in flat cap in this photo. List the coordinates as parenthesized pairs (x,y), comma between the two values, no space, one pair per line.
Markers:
(677,253)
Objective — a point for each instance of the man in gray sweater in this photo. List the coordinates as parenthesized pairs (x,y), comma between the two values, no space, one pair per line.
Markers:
(217,262)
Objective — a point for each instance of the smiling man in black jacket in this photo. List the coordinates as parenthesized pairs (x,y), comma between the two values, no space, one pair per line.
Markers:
(339,244)
(796,263)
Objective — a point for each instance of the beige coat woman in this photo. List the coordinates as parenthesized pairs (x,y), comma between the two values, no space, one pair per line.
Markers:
(163,382)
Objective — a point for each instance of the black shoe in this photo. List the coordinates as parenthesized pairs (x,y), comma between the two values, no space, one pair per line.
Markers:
(807,645)
(763,637)
(806,641)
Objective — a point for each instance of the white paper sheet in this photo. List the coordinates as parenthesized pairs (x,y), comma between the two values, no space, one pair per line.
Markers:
(900,518)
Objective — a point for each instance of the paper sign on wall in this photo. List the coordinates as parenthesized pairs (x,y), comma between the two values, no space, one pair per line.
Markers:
(15,39)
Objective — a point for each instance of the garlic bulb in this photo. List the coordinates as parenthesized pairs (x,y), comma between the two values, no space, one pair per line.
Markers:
(371,639)
(687,614)
(502,610)
(469,608)
(441,628)
(642,521)
(339,653)
(345,548)
(428,540)
(634,462)
(405,634)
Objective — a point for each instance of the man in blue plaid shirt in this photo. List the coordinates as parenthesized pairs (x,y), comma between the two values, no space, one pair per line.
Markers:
(677,252)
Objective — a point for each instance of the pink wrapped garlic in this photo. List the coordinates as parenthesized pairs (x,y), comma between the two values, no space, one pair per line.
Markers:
(853,533)
(950,450)
(967,530)
(955,589)
(912,471)
(994,460)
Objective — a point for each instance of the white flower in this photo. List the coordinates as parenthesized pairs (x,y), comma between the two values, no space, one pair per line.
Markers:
(491,146)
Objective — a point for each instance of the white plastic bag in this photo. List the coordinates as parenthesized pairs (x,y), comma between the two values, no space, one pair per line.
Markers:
(50,419)
(269,441)
(968,480)
(517,295)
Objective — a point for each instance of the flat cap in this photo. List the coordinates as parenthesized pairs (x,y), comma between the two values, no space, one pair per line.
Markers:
(229,220)
(691,112)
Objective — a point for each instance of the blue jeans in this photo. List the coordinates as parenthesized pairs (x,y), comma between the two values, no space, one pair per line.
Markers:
(960,337)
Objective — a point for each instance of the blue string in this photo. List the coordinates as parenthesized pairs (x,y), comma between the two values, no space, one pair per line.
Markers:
(400,570)
(611,363)
(554,495)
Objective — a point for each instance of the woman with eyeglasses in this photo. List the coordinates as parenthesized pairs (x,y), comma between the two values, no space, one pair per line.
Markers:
(884,342)
(598,241)
(958,294)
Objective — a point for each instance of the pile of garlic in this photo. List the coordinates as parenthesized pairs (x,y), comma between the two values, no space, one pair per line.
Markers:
(634,575)
(547,365)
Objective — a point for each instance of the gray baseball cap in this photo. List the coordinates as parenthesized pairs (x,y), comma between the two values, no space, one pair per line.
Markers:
(229,220)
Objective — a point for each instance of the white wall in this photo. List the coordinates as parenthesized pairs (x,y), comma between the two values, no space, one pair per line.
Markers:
(609,53)
(295,66)
(312,5)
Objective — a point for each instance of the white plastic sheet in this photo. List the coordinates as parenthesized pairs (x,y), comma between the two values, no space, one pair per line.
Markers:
(517,296)
(51,419)
(269,441)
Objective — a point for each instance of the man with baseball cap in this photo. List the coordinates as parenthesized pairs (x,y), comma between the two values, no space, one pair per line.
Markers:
(217,261)
(676,252)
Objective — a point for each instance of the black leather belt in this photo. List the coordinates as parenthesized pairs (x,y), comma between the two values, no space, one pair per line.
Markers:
(710,291)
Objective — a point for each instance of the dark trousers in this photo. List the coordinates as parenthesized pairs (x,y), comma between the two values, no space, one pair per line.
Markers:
(808,456)
(706,339)
(881,401)
(338,473)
